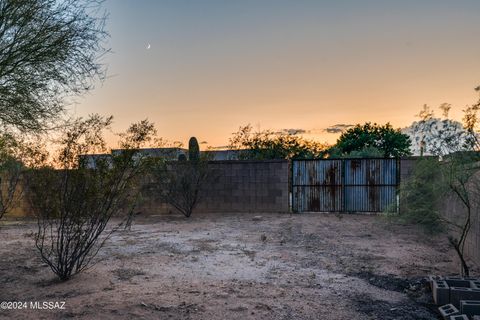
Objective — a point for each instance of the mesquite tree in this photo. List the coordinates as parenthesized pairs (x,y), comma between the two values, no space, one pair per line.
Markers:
(75,201)
(49,50)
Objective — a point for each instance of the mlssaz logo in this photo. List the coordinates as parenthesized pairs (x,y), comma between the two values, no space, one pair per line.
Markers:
(47,305)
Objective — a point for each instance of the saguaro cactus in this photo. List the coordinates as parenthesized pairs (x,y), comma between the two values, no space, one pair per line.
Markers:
(193,150)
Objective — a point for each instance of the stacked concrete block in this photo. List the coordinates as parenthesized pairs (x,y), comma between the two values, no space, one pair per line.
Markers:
(459,297)
(459,281)
(458,294)
(459,317)
(448,311)
(470,307)
(475,284)
(432,278)
(441,292)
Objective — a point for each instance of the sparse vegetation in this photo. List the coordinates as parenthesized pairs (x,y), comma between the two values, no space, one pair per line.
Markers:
(74,202)
(423,195)
(10,174)
(180,183)
(463,182)
(266,144)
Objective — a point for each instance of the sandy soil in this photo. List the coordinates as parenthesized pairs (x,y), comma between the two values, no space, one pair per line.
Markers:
(282,266)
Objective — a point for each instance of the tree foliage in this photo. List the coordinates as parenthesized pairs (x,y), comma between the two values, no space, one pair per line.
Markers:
(266,144)
(422,194)
(49,50)
(384,138)
(432,135)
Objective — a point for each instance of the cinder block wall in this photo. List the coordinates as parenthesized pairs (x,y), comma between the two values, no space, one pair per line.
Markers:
(453,210)
(407,165)
(240,186)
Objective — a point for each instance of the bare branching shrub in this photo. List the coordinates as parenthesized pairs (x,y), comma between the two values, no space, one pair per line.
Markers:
(10,191)
(180,184)
(461,175)
(75,201)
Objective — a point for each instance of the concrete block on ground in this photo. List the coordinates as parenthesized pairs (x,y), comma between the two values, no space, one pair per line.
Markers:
(459,317)
(447,311)
(475,284)
(440,292)
(432,278)
(470,307)
(460,293)
(476,318)
(459,281)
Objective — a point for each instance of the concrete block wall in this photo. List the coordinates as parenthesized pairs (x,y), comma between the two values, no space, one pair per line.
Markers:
(407,166)
(239,186)
(247,186)
(453,210)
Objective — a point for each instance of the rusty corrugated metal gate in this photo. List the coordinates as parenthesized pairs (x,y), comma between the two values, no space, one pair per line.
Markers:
(344,185)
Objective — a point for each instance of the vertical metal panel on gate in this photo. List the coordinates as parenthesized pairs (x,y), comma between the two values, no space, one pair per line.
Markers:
(349,185)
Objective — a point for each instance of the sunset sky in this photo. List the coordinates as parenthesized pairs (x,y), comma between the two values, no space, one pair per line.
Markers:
(214,65)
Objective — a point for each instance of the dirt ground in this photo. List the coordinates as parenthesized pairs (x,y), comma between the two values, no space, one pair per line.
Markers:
(236,266)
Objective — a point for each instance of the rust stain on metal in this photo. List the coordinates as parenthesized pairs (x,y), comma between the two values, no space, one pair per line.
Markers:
(344,184)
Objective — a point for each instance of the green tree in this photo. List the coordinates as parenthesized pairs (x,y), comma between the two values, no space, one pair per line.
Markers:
(378,139)
(422,194)
(266,144)
(49,50)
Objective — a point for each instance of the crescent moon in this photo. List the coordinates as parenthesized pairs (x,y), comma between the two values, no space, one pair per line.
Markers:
(148,46)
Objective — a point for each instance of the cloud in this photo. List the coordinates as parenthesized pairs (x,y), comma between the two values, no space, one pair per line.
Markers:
(292,132)
(338,128)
